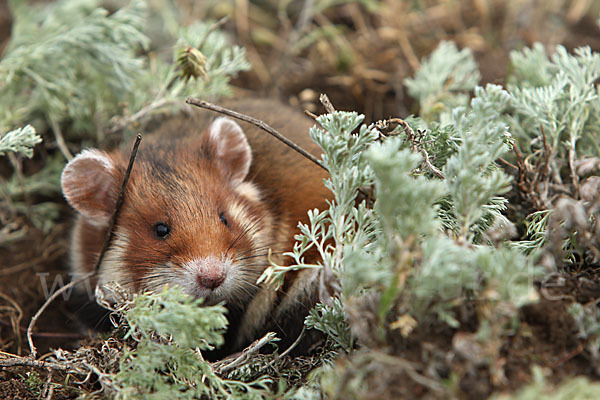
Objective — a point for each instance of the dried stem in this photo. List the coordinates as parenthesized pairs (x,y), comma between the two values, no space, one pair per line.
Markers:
(39,312)
(15,361)
(225,366)
(262,125)
(574,177)
(15,322)
(212,28)
(415,148)
(124,122)
(111,226)
(60,140)
(289,349)
(326,103)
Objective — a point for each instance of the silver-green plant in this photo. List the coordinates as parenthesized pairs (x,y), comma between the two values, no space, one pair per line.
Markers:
(418,252)
(444,81)
(172,329)
(20,140)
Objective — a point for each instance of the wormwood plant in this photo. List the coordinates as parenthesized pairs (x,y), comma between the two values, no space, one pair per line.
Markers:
(19,141)
(421,250)
(171,330)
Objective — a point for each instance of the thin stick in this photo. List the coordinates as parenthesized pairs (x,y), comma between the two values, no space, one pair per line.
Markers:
(28,362)
(110,233)
(256,122)
(212,28)
(15,324)
(413,145)
(249,352)
(39,312)
(48,387)
(286,352)
(326,103)
(60,140)
(309,114)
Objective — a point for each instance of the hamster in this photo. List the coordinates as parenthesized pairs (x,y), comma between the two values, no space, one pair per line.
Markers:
(204,204)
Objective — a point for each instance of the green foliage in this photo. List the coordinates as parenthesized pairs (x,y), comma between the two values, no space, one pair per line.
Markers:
(473,180)
(171,329)
(70,61)
(444,81)
(559,96)
(346,225)
(222,61)
(331,320)
(20,141)
(536,223)
(418,252)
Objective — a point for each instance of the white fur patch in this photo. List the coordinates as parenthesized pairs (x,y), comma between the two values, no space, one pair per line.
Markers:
(223,124)
(112,267)
(95,154)
(249,191)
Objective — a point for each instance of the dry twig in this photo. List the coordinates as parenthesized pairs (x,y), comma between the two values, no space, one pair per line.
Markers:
(225,366)
(262,125)
(15,322)
(111,226)
(289,349)
(39,312)
(414,146)
(60,140)
(326,103)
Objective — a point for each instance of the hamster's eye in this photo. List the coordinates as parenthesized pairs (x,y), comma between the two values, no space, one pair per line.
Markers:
(161,230)
(223,219)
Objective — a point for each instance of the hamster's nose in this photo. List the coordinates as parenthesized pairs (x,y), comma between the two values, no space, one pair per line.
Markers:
(211,281)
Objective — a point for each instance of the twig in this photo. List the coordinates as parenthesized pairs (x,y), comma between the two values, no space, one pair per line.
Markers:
(541,172)
(15,324)
(212,28)
(580,347)
(287,351)
(124,122)
(60,140)
(15,361)
(415,148)
(111,226)
(429,165)
(326,103)
(48,388)
(262,125)
(51,253)
(574,177)
(509,164)
(309,114)
(39,312)
(409,368)
(246,354)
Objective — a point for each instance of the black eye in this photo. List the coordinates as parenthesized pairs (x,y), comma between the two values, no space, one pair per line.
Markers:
(161,230)
(223,219)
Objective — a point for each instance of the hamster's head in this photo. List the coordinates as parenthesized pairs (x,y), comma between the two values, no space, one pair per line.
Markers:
(189,216)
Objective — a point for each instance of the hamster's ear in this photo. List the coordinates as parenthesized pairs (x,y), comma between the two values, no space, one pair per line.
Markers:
(231,149)
(89,183)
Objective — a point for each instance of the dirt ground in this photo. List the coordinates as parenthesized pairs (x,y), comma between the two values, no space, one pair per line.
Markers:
(384,52)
